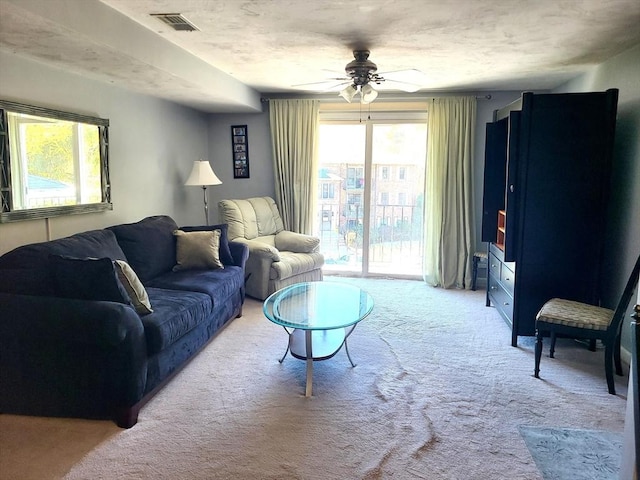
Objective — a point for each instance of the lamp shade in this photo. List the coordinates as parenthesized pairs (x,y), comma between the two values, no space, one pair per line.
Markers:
(367,93)
(349,92)
(202,174)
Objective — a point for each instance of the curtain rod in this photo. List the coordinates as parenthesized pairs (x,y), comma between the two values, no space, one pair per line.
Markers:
(381,98)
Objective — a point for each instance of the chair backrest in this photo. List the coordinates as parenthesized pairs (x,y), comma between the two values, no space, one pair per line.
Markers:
(250,218)
(621,309)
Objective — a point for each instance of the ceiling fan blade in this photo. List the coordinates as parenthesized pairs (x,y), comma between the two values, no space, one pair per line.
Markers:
(388,84)
(325,85)
(408,76)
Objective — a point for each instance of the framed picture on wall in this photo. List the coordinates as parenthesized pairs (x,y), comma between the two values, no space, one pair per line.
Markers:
(240,148)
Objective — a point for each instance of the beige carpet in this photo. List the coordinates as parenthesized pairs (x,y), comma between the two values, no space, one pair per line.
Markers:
(437,393)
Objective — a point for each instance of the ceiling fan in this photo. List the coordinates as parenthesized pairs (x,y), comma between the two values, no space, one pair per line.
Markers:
(361,73)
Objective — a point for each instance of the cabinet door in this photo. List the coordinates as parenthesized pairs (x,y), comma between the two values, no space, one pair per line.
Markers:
(513,193)
(566,155)
(495,160)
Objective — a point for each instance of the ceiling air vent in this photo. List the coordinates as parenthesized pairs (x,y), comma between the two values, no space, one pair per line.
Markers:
(176,21)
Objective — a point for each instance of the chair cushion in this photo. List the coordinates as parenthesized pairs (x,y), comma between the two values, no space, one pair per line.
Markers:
(575,314)
(251,218)
(291,264)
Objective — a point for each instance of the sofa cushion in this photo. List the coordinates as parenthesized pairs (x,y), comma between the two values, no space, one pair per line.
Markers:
(133,286)
(94,243)
(175,313)
(26,281)
(149,245)
(87,279)
(225,251)
(291,264)
(197,250)
(219,284)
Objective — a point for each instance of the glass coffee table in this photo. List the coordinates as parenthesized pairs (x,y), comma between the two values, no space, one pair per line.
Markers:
(318,317)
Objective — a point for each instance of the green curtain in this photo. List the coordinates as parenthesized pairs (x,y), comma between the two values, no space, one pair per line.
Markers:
(294,138)
(449,220)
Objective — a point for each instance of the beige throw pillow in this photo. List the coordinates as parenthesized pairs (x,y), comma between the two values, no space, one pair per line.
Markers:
(197,250)
(134,287)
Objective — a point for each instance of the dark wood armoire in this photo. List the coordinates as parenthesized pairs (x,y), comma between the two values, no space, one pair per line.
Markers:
(546,187)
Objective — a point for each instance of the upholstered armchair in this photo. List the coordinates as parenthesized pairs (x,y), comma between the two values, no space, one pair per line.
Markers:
(277,257)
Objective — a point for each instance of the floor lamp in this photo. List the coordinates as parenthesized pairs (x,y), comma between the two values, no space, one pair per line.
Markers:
(202,175)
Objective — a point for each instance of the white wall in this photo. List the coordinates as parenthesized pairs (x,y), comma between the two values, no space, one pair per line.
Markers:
(153,144)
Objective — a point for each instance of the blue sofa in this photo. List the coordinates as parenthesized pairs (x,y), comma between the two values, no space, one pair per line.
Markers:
(73,344)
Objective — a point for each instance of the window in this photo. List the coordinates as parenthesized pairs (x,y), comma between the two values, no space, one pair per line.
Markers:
(355,177)
(55,163)
(385,173)
(402,198)
(328,190)
(402,173)
(354,199)
(384,198)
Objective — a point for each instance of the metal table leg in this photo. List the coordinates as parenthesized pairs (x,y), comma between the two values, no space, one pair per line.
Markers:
(309,388)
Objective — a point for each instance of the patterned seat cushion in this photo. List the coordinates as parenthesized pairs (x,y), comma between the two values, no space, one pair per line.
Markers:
(575,314)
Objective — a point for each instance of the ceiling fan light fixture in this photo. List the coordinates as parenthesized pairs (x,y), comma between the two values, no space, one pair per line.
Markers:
(349,92)
(368,94)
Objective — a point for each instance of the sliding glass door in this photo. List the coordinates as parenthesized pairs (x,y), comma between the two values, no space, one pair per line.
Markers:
(397,195)
(371,191)
(341,191)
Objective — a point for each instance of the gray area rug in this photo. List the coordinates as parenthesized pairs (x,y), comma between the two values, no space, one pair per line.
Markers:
(438,392)
(574,454)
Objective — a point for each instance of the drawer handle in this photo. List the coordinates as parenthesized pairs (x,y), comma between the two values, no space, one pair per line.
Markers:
(507,279)
(493,265)
(506,304)
(494,288)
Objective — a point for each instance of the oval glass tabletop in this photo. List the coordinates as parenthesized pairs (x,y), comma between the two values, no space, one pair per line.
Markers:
(318,305)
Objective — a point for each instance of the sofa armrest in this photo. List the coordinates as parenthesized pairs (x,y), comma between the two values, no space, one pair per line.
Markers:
(67,357)
(296,242)
(240,253)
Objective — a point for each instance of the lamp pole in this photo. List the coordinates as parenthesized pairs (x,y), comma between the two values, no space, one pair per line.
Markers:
(206,206)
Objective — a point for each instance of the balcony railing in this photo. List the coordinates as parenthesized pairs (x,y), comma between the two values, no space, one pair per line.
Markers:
(395,238)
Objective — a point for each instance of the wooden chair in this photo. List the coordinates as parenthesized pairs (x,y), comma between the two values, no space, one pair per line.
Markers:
(478,258)
(580,320)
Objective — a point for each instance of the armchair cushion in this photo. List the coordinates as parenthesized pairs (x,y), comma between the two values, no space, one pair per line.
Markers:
(296,242)
(251,218)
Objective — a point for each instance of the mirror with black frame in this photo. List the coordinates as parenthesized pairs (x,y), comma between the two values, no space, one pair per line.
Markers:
(52,163)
